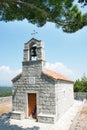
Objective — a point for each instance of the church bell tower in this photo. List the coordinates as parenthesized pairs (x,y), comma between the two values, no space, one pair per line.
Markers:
(33,50)
(33,59)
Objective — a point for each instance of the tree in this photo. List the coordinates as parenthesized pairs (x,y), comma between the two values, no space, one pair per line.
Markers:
(62,12)
(81,85)
(84,83)
(83,2)
(77,86)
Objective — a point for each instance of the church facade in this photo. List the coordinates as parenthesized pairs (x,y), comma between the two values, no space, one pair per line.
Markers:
(39,93)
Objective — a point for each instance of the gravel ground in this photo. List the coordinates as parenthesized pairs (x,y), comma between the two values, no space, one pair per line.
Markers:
(63,123)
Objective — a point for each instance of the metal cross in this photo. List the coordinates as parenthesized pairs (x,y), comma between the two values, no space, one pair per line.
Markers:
(34,33)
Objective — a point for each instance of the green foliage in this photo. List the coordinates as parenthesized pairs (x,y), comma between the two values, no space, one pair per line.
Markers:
(62,12)
(81,85)
(5,91)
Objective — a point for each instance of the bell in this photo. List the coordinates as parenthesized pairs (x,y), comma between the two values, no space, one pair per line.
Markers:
(33,51)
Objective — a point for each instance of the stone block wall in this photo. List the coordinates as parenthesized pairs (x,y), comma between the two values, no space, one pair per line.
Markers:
(80,95)
(64,97)
(47,96)
(44,118)
(43,86)
(17,115)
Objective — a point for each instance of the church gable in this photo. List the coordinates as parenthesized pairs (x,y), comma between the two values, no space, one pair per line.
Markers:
(33,40)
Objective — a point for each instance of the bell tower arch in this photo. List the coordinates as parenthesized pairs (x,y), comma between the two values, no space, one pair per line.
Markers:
(33,50)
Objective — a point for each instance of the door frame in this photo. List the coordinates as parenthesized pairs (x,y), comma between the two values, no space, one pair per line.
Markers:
(27,102)
(32,105)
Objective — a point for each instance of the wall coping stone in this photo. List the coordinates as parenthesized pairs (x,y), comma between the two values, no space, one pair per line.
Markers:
(46,115)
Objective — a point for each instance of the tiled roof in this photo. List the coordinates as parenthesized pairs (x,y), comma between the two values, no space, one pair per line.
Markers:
(56,75)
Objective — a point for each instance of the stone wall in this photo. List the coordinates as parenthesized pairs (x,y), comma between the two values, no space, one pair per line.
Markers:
(80,95)
(64,97)
(43,86)
(5,99)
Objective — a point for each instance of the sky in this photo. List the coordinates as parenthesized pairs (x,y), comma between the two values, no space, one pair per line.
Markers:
(65,53)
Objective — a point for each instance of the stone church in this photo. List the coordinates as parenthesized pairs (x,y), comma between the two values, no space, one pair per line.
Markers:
(39,93)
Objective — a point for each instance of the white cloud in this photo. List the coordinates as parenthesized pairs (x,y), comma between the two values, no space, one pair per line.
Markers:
(60,68)
(5,69)
(6,75)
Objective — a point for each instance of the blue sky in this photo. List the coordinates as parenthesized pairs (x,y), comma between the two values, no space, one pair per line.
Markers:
(64,52)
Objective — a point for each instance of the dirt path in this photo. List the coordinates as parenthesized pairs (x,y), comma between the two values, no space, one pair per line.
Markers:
(5,107)
(80,122)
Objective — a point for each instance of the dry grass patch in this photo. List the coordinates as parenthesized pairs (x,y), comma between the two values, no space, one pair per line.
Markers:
(5,107)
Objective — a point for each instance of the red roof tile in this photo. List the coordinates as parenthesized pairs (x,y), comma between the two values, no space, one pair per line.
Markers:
(56,75)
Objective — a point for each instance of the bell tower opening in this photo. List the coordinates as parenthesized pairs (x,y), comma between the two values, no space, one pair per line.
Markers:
(33,52)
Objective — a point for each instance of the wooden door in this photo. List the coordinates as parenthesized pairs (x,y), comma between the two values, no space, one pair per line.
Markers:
(32,107)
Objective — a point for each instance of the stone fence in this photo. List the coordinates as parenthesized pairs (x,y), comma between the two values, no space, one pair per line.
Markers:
(5,99)
(80,95)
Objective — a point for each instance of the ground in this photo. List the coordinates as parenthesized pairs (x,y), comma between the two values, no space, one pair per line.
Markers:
(5,107)
(79,123)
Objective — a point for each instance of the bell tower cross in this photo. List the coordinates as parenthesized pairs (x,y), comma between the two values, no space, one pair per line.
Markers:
(34,33)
